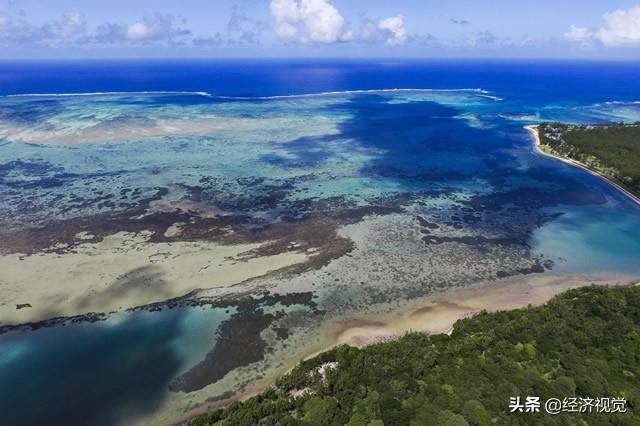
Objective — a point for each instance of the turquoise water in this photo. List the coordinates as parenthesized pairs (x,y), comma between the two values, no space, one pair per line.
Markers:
(261,160)
(593,240)
(121,365)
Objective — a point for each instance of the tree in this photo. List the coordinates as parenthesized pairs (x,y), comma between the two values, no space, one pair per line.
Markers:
(323,412)
(449,418)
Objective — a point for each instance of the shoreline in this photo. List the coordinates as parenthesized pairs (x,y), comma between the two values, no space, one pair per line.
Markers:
(438,312)
(533,129)
(433,314)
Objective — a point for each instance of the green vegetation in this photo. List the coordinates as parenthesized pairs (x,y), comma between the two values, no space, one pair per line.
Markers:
(613,151)
(585,343)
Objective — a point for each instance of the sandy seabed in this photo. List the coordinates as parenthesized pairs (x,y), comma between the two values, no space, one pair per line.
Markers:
(123,271)
(432,314)
(438,313)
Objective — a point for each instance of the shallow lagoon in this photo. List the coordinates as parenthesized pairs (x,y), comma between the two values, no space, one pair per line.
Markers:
(100,373)
(437,189)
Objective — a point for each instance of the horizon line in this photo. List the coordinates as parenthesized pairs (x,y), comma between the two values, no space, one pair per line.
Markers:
(319,58)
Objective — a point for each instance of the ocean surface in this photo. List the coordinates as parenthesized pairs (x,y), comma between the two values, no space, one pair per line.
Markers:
(425,166)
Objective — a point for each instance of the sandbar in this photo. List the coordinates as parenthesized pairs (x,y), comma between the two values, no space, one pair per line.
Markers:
(123,271)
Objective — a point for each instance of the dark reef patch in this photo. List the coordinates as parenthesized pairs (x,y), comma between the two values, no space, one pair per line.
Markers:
(539,266)
(52,322)
(239,344)
(20,174)
(23,305)
(239,341)
(245,302)
(282,332)
(30,112)
(60,236)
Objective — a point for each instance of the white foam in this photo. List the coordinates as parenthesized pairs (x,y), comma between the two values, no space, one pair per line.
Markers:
(481,92)
(493,98)
(477,91)
(143,93)
(620,103)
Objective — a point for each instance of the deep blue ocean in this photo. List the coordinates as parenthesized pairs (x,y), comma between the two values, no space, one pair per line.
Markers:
(532,82)
(465,140)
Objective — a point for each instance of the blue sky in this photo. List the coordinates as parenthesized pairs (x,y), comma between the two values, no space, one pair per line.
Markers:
(320,28)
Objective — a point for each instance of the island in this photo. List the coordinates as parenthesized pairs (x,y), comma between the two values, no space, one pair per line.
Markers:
(611,151)
(580,346)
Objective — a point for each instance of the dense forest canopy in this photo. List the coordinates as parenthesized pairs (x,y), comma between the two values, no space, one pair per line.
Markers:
(584,343)
(611,150)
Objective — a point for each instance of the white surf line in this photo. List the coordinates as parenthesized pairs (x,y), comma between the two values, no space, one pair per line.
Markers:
(55,95)
(533,129)
(477,91)
(620,103)
(493,98)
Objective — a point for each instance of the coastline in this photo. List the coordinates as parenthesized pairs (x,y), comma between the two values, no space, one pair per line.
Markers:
(533,129)
(438,312)
(433,314)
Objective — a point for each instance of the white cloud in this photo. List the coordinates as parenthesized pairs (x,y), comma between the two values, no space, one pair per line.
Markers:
(153,28)
(395,32)
(390,31)
(286,14)
(72,24)
(20,32)
(320,21)
(141,31)
(324,22)
(619,28)
(71,29)
(309,20)
(244,29)
(578,34)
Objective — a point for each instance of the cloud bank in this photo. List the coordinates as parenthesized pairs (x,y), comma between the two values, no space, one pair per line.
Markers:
(620,28)
(67,29)
(294,21)
(305,22)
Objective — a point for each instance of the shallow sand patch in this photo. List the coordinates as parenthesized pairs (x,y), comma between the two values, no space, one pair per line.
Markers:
(79,133)
(123,271)
(438,313)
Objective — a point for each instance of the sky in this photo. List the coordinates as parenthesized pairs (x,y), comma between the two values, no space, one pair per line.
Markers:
(593,29)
